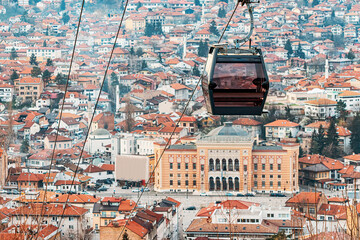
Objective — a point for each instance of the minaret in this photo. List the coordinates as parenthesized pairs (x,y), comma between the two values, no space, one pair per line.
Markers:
(202,14)
(326,67)
(89,114)
(184,50)
(117,98)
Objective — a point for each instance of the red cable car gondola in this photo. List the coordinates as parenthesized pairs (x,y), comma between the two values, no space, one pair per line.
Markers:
(235,81)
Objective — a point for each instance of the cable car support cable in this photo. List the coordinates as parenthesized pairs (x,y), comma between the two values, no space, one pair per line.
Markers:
(47,177)
(95,107)
(168,143)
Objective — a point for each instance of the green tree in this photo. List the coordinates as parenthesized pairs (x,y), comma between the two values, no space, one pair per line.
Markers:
(33,60)
(196,71)
(332,141)
(288,114)
(138,5)
(197,3)
(341,110)
(149,29)
(288,48)
(44,43)
(35,72)
(143,64)
(299,52)
(315,2)
(49,62)
(317,141)
(13,54)
(203,49)
(213,29)
(132,51)
(46,76)
(139,52)
(355,134)
(158,28)
(301,152)
(222,12)
(65,18)
(62,5)
(114,79)
(350,55)
(60,79)
(24,148)
(14,76)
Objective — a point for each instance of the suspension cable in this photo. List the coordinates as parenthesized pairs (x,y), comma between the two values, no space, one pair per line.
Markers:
(168,143)
(95,107)
(60,117)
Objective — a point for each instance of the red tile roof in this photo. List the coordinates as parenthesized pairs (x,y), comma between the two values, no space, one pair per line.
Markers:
(305,198)
(246,122)
(282,123)
(35,209)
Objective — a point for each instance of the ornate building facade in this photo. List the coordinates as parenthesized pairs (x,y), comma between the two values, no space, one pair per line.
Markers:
(227,159)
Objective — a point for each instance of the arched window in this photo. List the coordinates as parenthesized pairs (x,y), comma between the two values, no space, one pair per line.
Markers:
(223,163)
(211,164)
(237,165)
(231,184)
(218,184)
(231,166)
(224,183)
(237,184)
(217,164)
(211,184)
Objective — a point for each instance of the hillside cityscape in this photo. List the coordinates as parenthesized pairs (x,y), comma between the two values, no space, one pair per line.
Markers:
(105,134)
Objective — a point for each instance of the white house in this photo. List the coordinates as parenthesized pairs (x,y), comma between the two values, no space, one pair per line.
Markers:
(320,108)
(280,129)
(6,92)
(352,100)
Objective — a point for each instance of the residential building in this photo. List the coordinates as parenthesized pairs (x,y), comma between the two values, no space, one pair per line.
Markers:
(73,224)
(321,108)
(62,142)
(6,92)
(281,129)
(240,219)
(29,89)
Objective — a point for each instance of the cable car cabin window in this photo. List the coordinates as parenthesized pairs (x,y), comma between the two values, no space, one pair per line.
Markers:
(238,84)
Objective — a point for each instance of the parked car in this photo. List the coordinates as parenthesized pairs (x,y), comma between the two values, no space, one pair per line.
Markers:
(191,208)
(136,190)
(229,194)
(203,194)
(102,188)
(2,191)
(277,195)
(240,195)
(146,189)
(249,195)
(125,187)
(85,192)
